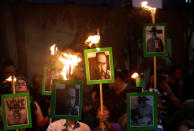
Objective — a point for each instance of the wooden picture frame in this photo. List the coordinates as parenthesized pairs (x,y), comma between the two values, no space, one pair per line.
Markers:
(155,40)
(94,64)
(142,111)
(66,99)
(16,111)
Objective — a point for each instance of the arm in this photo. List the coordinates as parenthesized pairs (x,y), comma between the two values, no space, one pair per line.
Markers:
(172,97)
(40,119)
(103,119)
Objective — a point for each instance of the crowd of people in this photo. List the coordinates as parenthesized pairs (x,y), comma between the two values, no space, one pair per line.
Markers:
(175,101)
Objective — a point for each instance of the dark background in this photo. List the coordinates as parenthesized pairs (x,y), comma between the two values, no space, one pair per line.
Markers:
(29,27)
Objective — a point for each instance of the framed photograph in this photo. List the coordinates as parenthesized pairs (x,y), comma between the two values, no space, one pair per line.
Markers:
(66,99)
(49,73)
(154,40)
(99,65)
(142,111)
(16,111)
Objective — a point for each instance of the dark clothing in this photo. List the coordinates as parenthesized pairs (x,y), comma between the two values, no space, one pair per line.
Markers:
(121,102)
(94,75)
(115,125)
(184,114)
(155,45)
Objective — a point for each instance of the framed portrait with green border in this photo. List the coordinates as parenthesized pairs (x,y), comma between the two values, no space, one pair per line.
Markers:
(66,99)
(16,111)
(99,65)
(142,111)
(49,73)
(155,40)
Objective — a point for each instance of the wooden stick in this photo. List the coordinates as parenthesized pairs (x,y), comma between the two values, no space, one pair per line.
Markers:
(101,98)
(101,106)
(153,16)
(13,84)
(155,74)
(13,88)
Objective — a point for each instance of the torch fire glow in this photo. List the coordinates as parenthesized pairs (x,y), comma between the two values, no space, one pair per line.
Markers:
(153,10)
(92,40)
(69,61)
(134,75)
(145,6)
(53,49)
(12,79)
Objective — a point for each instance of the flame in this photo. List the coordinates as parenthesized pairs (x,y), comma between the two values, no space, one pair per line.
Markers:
(135,75)
(144,5)
(10,78)
(92,40)
(69,61)
(53,49)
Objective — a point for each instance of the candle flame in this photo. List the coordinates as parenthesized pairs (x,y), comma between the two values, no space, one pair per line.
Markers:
(135,75)
(92,40)
(53,49)
(69,61)
(10,78)
(144,5)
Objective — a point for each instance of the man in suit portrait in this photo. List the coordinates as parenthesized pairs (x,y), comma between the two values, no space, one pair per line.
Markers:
(100,67)
(66,101)
(154,43)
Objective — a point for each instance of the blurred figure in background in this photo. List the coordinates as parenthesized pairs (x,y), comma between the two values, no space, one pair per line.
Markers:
(104,120)
(39,122)
(8,69)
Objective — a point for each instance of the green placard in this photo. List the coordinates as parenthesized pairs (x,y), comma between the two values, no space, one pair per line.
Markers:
(66,99)
(49,73)
(16,111)
(99,65)
(155,40)
(142,111)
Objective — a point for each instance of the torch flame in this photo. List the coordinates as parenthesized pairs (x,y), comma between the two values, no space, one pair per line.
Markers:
(10,78)
(135,75)
(69,61)
(144,5)
(53,49)
(93,40)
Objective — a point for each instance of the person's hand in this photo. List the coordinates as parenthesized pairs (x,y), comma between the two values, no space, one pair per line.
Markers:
(165,87)
(108,73)
(102,116)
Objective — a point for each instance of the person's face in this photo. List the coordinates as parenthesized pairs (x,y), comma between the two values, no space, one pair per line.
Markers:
(178,74)
(166,76)
(71,97)
(9,70)
(106,113)
(101,64)
(21,86)
(154,34)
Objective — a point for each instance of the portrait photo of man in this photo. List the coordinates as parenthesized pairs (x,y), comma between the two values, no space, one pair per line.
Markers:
(155,40)
(16,111)
(67,99)
(99,66)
